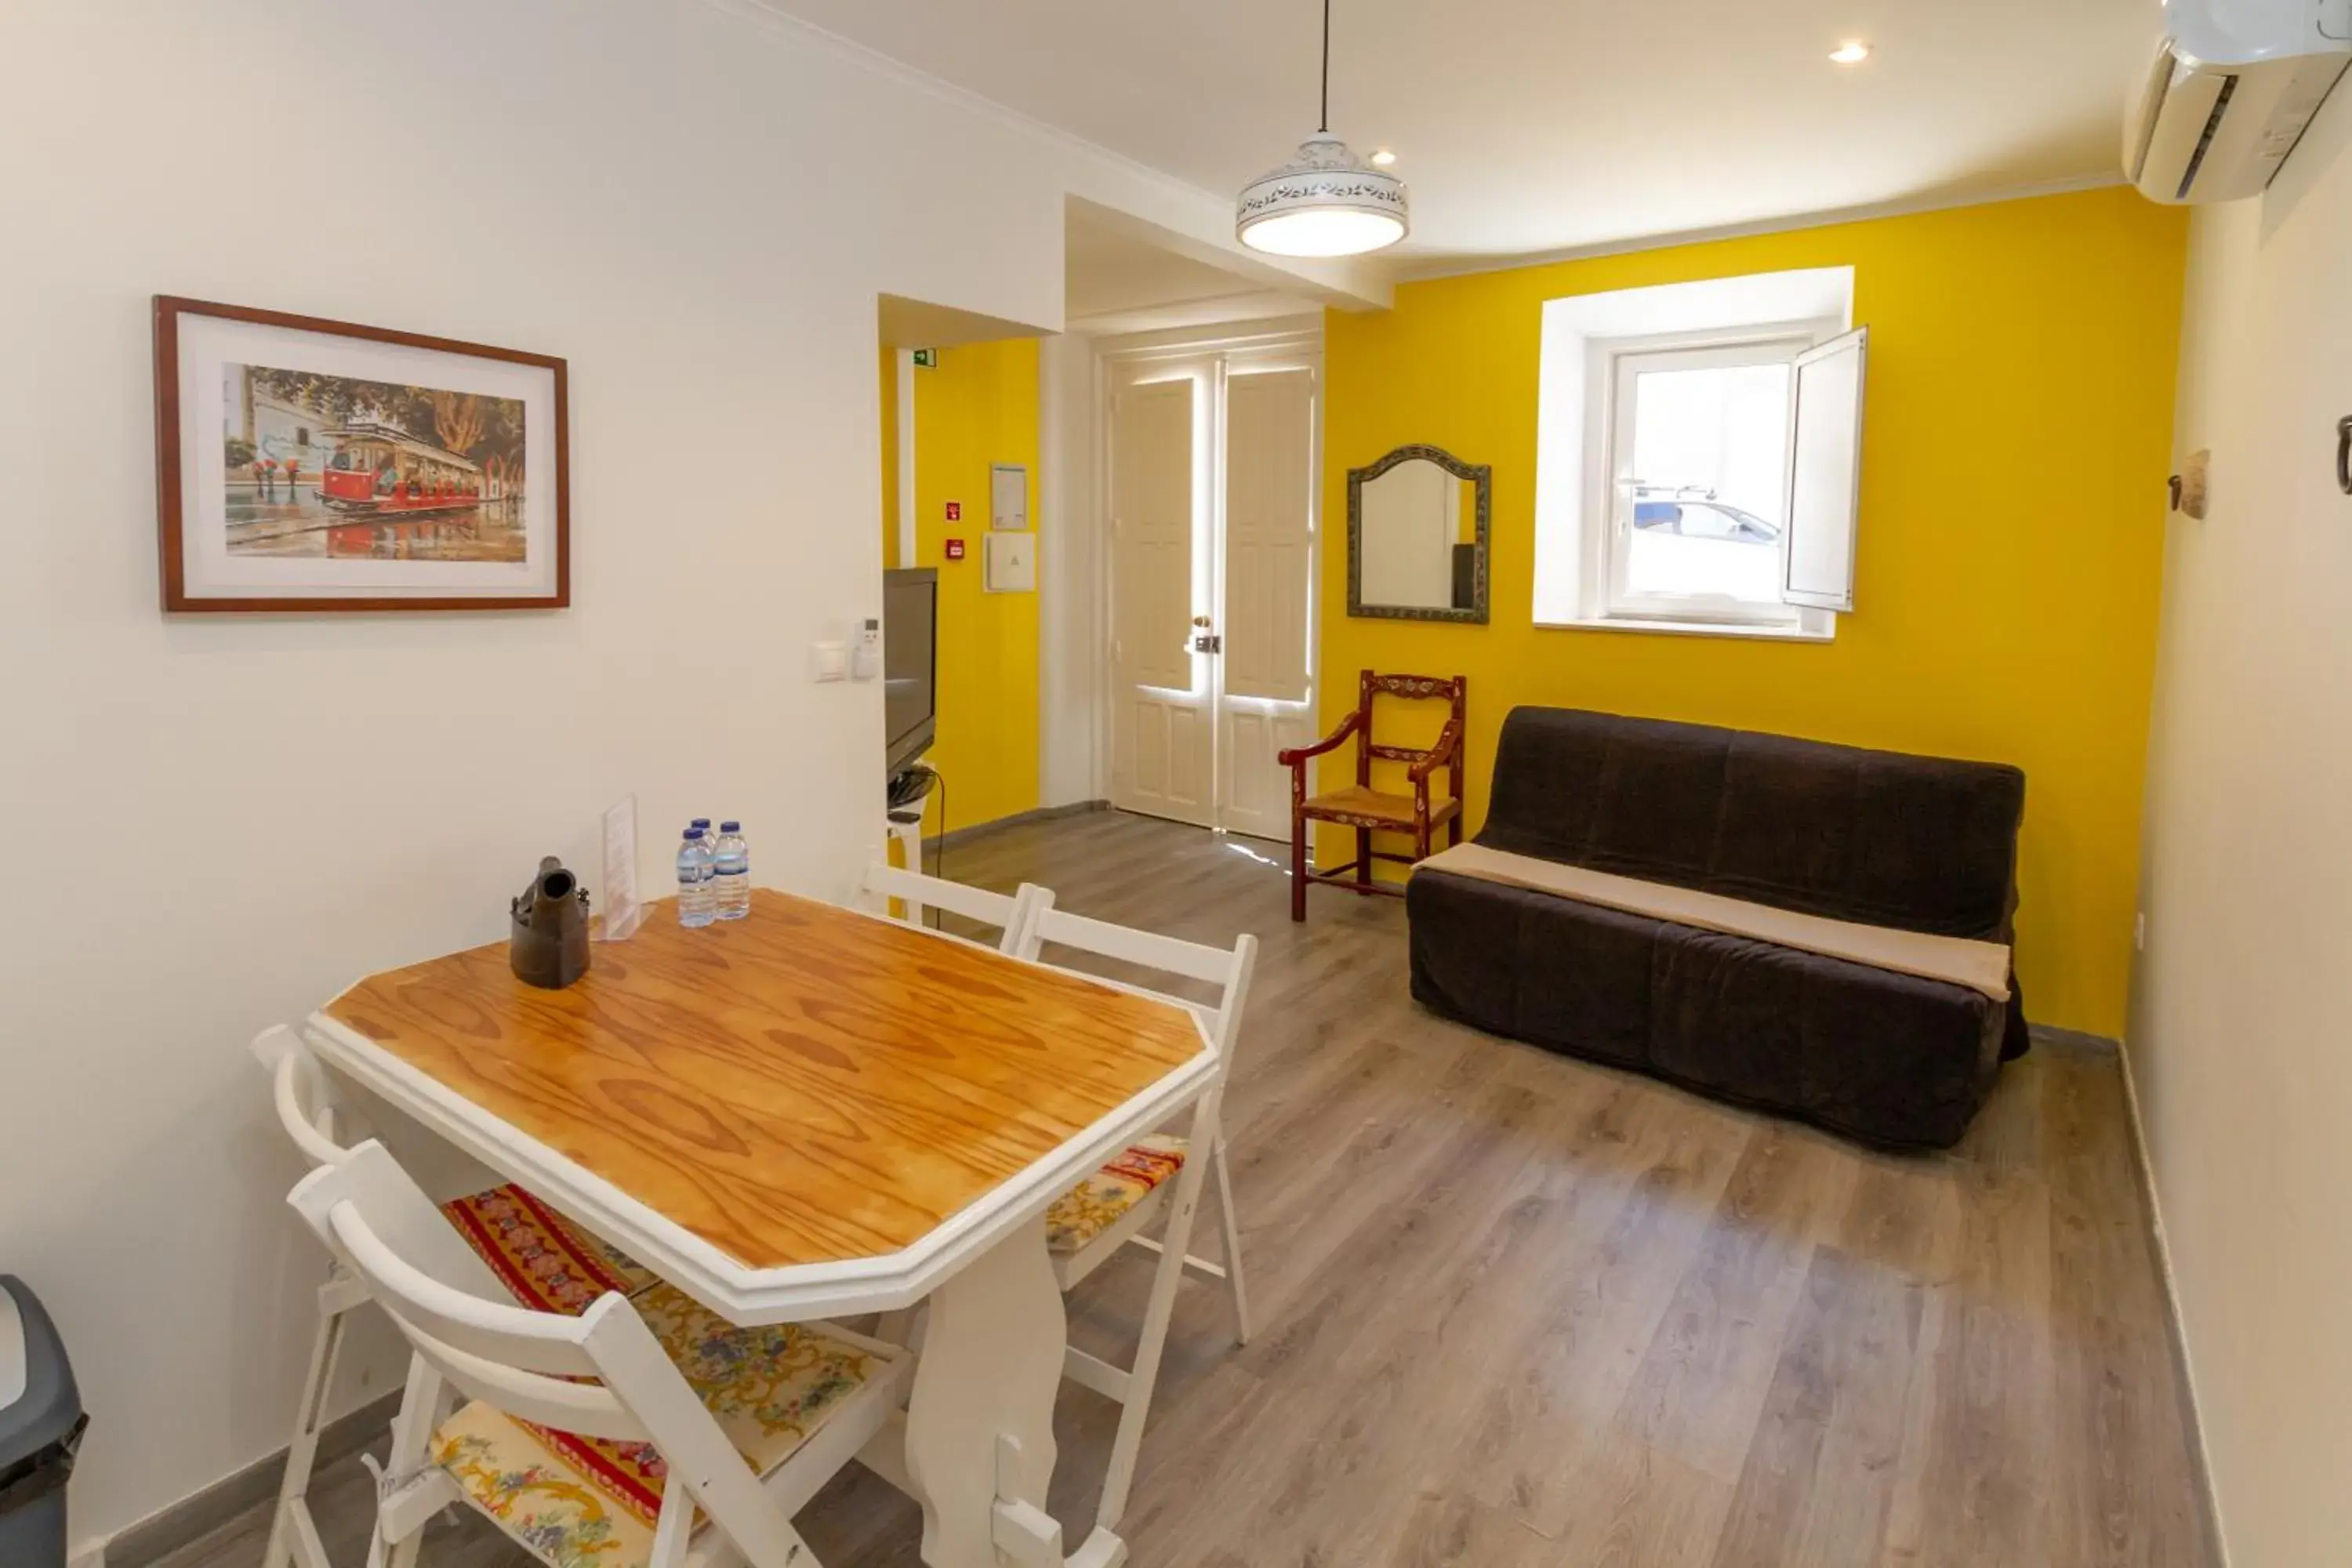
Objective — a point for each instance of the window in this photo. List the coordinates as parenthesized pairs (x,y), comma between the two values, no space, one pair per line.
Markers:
(1698,456)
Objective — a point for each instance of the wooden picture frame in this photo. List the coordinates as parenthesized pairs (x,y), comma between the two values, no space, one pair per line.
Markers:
(426,488)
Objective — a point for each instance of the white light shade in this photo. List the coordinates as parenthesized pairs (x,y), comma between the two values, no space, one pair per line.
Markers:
(1323,231)
(1325,202)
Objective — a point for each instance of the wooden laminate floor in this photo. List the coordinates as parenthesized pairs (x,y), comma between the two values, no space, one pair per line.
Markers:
(1518,1312)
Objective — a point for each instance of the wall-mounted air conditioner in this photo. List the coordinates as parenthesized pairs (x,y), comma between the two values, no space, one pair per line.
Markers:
(2233,86)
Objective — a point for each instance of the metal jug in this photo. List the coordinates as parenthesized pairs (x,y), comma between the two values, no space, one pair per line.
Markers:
(550,945)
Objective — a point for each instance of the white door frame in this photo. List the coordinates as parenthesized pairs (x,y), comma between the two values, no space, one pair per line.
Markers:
(1117,360)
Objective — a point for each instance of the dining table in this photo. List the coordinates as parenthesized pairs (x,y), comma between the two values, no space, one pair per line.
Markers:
(806,1113)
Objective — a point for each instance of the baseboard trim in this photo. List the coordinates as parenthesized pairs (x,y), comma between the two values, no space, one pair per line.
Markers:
(2076,1039)
(2217,1539)
(954,837)
(162,1534)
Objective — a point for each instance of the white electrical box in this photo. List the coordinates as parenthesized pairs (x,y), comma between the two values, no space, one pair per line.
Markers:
(1010,565)
(1008,490)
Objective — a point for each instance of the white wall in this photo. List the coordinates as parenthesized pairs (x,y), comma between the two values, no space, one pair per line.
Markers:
(1072,652)
(2242,1004)
(211,825)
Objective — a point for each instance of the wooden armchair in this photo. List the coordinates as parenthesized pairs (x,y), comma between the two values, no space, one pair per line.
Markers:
(1368,810)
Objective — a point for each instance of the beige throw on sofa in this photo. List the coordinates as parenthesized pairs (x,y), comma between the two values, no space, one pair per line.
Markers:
(1956,961)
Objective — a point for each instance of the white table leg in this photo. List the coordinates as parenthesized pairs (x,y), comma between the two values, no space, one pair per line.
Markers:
(991,1367)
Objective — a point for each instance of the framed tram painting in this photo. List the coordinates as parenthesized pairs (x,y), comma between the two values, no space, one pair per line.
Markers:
(304,465)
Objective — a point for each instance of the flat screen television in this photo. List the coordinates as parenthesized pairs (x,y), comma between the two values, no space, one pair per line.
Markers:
(910,662)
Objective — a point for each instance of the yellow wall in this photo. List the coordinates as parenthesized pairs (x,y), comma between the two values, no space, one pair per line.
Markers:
(978,407)
(2016,446)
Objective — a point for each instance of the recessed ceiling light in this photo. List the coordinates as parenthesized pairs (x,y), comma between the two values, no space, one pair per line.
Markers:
(1383,157)
(1851,53)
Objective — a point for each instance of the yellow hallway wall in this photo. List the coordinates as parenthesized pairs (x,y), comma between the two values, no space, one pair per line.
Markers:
(2016,444)
(979,408)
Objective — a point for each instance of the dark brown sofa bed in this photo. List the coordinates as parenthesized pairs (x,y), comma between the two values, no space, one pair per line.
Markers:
(1875,839)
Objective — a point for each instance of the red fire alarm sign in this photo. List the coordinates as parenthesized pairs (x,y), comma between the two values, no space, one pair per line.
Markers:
(955,548)
(955,512)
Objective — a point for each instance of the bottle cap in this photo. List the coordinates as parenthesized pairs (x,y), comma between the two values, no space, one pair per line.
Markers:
(694,833)
(699,822)
(730,827)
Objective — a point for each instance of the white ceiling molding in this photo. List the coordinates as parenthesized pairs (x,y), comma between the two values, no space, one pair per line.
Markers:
(1280,330)
(1188,314)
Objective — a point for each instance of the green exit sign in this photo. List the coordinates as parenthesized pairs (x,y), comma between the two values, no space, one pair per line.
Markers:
(927,359)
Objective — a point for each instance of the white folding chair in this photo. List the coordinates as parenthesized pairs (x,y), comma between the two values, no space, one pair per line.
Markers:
(1157,1180)
(310,1118)
(612,1437)
(539,1260)
(915,892)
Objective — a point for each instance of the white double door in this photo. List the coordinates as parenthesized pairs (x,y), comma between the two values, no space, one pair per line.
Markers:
(1212,460)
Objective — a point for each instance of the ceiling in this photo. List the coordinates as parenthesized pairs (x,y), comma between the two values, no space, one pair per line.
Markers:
(1116,280)
(1530,126)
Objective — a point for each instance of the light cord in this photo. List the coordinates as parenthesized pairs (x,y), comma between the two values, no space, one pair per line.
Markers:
(1326,127)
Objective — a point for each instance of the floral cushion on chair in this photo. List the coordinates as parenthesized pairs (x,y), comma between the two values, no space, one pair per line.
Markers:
(1099,1203)
(770,1388)
(545,1262)
(548,1505)
(591,1502)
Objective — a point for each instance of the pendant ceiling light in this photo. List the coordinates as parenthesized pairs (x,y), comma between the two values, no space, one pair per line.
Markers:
(1326,201)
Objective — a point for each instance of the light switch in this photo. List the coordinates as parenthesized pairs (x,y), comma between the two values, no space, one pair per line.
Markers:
(830,661)
(1010,563)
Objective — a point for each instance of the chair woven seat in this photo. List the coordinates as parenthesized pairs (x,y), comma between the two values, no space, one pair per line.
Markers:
(1354,805)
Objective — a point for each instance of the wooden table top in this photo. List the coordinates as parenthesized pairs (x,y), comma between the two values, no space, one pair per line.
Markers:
(808,1085)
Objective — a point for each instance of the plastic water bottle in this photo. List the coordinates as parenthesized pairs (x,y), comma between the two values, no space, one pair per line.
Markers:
(694,889)
(731,868)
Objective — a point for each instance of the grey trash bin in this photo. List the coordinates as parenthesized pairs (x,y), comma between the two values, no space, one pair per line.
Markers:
(41,1423)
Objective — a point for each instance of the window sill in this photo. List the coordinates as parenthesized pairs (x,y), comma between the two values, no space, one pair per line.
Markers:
(1798,633)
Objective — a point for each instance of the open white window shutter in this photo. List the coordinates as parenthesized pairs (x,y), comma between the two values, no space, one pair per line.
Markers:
(1825,473)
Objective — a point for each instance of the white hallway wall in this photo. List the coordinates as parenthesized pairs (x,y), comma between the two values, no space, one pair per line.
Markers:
(1071,650)
(213,823)
(2243,999)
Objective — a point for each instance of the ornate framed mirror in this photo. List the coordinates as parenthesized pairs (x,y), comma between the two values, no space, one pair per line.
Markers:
(1417,535)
